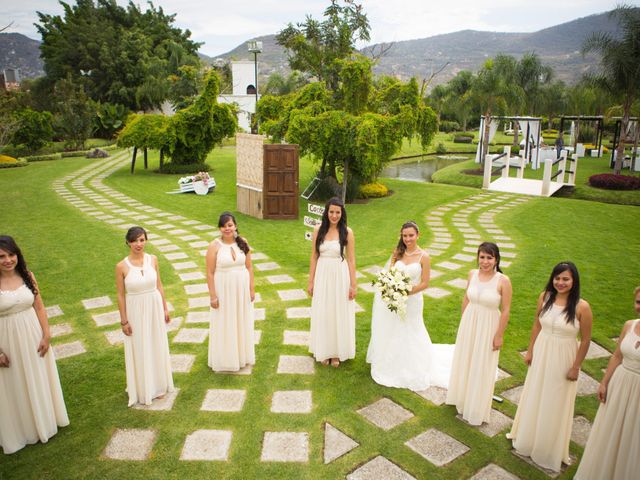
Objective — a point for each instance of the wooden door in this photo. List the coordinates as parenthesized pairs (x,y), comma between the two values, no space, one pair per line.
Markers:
(280,187)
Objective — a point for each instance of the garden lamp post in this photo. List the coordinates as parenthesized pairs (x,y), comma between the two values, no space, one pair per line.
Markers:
(255,47)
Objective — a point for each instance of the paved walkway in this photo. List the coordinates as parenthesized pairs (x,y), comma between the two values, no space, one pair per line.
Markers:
(183,242)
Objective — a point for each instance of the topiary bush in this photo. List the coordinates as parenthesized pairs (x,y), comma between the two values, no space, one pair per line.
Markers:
(42,158)
(373,190)
(185,168)
(609,181)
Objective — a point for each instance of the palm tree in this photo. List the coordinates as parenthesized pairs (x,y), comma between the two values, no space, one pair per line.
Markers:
(620,64)
(493,89)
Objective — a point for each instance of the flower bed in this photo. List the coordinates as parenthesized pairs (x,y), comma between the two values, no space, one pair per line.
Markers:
(609,181)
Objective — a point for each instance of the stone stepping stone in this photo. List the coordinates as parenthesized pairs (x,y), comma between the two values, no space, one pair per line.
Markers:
(163,404)
(373,270)
(498,422)
(190,238)
(580,431)
(472,242)
(182,362)
(357,307)
(470,250)
(336,443)
(464,258)
(257,336)
(293,294)
(367,287)
(196,288)
(199,302)
(60,330)
(115,337)
(458,283)
(471,236)
(191,222)
(259,314)
(224,400)
(435,253)
(385,414)
(176,256)
(160,241)
(439,246)
(191,335)
(168,226)
(449,265)
(108,318)
(187,277)
(505,263)
(513,394)
(175,218)
(437,213)
(508,254)
(257,298)
(203,253)
(507,245)
(434,274)
(596,351)
(66,350)
(586,385)
(97,302)
(292,401)
(204,227)
(493,472)
(435,292)
(468,230)
(153,222)
(54,311)
(379,468)
(197,317)
(258,256)
(495,231)
(168,248)
(502,237)
(199,244)
(178,231)
(296,337)
(285,447)
(437,447)
(296,364)
(501,375)
(549,473)
(439,229)
(130,444)
(436,395)
(264,267)
(246,370)
(174,324)
(184,265)
(299,312)
(207,445)
(276,279)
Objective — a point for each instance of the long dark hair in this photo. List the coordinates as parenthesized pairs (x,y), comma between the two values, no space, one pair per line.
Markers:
(398,253)
(343,233)
(492,249)
(8,244)
(574,294)
(241,242)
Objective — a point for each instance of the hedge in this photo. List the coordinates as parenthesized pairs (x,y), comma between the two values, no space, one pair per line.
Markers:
(610,181)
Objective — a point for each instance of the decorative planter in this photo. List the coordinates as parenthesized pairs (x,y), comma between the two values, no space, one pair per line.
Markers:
(200,188)
(186,187)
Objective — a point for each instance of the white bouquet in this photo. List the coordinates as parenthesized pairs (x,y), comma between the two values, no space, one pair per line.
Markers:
(394,286)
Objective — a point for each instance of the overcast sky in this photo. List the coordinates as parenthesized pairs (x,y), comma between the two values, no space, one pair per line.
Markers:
(224,24)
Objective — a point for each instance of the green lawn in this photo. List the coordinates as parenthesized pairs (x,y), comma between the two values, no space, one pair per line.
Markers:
(73,256)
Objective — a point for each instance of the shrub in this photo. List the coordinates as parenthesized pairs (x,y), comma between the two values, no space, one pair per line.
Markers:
(9,162)
(97,153)
(77,153)
(35,129)
(586,134)
(441,148)
(462,139)
(42,158)
(184,168)
(609,181)
(515,149)
(449,126)
(550,132)
(373,190)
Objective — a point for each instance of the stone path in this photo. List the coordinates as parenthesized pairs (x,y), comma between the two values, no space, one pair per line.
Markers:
(182,242)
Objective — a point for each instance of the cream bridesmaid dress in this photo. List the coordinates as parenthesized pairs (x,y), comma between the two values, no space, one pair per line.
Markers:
(473,372)
(614,442)
(542,426)
(146,351)
(231,337)
(31,402)
(333,317)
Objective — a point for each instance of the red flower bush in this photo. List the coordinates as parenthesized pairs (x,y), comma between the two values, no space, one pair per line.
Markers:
(609,181)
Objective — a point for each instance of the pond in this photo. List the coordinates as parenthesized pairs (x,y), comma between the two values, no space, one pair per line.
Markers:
(421,169)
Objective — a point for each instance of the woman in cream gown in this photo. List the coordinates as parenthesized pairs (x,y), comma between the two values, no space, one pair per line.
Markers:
(614,442)
(332,286)
(143,315)
(400,350)
(542,425)
(31,402)
(231,292)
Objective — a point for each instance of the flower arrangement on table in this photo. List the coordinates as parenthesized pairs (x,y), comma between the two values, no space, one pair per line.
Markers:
(394,286)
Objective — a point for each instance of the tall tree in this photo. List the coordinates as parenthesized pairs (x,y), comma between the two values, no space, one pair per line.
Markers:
(530,75)
(316,46)
(121,55)
(620,65)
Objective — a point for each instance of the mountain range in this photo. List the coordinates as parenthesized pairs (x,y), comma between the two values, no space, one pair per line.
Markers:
(558,46)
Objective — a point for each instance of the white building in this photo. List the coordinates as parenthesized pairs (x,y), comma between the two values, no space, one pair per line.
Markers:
(243,77)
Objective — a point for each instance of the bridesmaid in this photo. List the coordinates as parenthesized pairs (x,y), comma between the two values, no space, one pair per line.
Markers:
(332,286)
(143,315)
(31,402)
(231,291)
(614,441)
(542,426)
(485,313)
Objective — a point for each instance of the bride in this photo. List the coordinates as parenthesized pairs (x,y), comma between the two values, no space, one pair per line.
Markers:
(400,351)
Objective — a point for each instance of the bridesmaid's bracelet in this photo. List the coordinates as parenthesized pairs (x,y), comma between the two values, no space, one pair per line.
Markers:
(123,324)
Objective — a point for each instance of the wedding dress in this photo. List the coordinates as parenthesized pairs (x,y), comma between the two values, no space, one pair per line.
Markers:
(400,350)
